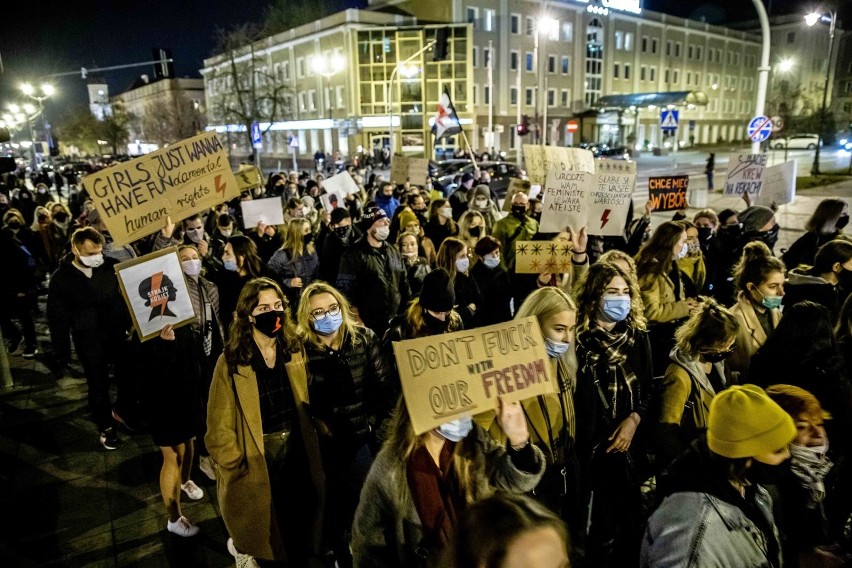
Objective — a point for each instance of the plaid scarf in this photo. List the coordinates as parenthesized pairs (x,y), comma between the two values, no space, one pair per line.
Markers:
(604,355)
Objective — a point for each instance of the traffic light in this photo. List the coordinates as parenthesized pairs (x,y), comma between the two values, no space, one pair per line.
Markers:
(524,127)
(6,164)
(439,52)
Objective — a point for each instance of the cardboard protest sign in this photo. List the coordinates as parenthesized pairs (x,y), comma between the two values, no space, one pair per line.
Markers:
(268,211)
(134,198)
(248,177)
(516,185)
(156,293)
(459,374)
(745,174)
(609,202)
(565,199)
(535,257)
(779,185)
(615,166)
(342,184)
(668,193)
(541,160)
(414,170)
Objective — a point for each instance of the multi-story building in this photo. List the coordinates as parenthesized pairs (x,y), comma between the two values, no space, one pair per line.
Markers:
(326,86)
(841,101)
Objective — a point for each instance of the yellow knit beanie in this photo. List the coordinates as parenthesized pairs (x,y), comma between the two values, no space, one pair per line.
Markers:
(744,423)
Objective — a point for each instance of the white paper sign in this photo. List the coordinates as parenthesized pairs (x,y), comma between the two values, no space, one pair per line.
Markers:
(341,184)
(268,211)
(779,184)
(745,174)
(565,199)
(609,202)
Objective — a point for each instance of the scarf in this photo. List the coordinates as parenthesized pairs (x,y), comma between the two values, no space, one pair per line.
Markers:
(435,493)
(605,357)
(811,465)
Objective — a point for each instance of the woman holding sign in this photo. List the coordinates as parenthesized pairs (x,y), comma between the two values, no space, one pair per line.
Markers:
(612,400)
(260,436)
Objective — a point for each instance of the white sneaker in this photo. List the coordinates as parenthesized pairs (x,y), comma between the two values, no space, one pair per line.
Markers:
(182,527)
(192,491)
(242,560)
(205,464)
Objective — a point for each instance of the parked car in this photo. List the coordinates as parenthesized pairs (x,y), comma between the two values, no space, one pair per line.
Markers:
(797,142)
(501,175)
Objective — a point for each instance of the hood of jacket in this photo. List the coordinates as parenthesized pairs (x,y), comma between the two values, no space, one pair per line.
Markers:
(694,369)
(798,277)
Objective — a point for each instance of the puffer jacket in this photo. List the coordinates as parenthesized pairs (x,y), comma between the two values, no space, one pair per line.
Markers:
(703,522)
(375,282)
(350,389)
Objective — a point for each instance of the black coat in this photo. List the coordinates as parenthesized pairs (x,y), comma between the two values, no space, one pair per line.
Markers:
(804,250)
(467,293)
(496,292)
(332,251)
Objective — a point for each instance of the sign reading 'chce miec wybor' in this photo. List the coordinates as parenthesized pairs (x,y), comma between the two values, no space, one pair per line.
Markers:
(135,198)
(448,376)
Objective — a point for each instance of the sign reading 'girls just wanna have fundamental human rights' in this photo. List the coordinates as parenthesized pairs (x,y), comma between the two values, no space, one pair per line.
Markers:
(134,198)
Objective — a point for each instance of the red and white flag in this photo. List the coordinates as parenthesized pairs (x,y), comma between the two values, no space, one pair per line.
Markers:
(446,120)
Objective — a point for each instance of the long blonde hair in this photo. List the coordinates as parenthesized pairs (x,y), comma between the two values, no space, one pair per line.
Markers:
(294,241)
(304,317)
(466,221)
(545,303)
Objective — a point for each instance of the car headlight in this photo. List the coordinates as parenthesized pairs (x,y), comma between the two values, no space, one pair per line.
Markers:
(848,146)
(843,141)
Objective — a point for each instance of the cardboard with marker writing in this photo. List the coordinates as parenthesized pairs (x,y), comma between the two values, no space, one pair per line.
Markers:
(668,193)
(565,200)
(413,170)
(535,257)
(541,161)
(779,185)
(609,201)
(248,177)
(269,211)
(745,174)
(134,198)
(451,375)
(156,292)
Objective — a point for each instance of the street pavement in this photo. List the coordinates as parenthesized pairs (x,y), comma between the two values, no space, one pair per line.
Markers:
(67,502)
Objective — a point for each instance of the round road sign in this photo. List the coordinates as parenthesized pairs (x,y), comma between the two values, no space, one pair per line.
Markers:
(759,128)
(572,126)
(777,123)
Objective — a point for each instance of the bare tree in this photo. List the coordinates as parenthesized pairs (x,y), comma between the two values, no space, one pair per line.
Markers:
(173,121)
(252,92)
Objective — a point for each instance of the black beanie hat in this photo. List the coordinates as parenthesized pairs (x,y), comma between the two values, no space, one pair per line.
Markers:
(370,216)
(437,293)
(338,214)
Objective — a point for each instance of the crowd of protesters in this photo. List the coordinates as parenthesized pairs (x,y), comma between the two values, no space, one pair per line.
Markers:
(700,376)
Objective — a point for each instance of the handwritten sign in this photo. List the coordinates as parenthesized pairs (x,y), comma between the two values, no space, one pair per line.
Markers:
(459,374)
(779,185)
(134,198)
(535,257)
(565,199)
(609,202)
(155,291)
(668,193)
(414,170)
(543,160)
(248,177)
(516,185)
(342,184)
(615,166)
(267,211)
(745,174)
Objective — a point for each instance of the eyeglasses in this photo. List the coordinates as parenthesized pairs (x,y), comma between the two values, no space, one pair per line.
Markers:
(320,315)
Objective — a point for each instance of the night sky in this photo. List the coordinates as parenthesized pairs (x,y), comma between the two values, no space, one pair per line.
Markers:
(40,40)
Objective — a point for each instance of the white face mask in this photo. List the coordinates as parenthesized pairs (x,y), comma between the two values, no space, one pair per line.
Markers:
(683,250)
(481,203)
(446,212)
(226,232)
(195,235)
(191,267)
(92,260)
(382,233)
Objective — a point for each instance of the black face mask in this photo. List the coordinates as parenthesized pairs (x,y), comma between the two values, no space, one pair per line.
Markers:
(769,237)
(14,225)
(716,356)
(270,324)
(343,232)
(434,324)
(536,216)
(842,222)
(308,239)
(845,278)
(519,211)
(61,217)
(704,233)
(475,231)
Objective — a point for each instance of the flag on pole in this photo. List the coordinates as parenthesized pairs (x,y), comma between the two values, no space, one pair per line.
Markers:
(446,120)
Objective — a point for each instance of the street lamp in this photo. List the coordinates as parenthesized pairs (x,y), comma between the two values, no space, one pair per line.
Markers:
(328,68)
(44,91)
(786,65)
(811,19)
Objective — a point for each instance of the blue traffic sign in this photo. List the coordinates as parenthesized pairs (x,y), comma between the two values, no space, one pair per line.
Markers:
(668,119)
(759,128)
(256,137)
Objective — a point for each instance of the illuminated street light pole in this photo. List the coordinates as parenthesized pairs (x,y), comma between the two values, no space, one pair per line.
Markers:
(763,70)
(811,20)
(47,90)
(21,114)
(328,68)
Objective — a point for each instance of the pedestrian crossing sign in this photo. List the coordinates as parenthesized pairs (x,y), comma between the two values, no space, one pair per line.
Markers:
(668,119)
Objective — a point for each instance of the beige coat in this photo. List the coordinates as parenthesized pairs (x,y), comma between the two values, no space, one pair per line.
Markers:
(750,336)
(235,441)
(658,297)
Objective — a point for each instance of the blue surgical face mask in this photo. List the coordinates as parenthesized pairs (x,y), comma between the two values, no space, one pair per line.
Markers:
(614,308)
(456,430)
(462,264)
(230,265)
(491,261)
(555,349)
(329,324)
(771,302)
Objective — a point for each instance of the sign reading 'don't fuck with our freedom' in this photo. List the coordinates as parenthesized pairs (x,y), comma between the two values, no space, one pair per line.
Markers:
(134,198)
(668,193)
(451,375)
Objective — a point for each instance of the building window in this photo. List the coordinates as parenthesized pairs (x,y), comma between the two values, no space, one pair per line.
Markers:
(689,52)
(566,64)
(486,57)
(513,96)
(551,64)
(302,106)
(312,100)
(566,98)
(642,71)
(472,16)
(697,79)
(615,70)
(486,90)
(619,40)
(338,95)
(626,70)
(677,49)
(300,67)
(668,49)
(644,44)
(665,76)
(529,26)
(528,96)
(474,60)
(489,20)
(675,76)
(654,45)
(513,61)
(698,52)
(567,31)
(551,97)
(628,41)
(529,61)
(475,94)
(515,23)
(594,61)
(653,75)
(791,37)
(285,68)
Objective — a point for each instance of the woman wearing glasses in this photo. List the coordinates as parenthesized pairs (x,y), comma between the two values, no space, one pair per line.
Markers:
(349,397)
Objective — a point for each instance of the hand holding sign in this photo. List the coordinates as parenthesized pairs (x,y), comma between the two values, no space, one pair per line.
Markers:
(169,228)
(168,333)
(510,417)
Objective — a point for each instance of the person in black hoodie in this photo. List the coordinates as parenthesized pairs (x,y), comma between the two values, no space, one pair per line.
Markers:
(84,301)
(340,236)
(827,282)
(17,296)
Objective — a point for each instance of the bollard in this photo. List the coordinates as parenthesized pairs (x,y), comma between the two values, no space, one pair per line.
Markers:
(5,374)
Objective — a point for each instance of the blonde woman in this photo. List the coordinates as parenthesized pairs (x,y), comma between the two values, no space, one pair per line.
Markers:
(472,227)
(349,393)
(295,264)
(550,418)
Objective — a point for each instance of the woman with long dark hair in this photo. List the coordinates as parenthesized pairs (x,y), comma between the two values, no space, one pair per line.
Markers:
(828,282)
(240,263)
(825,224)
(441,224)
(260,436)
(453,256)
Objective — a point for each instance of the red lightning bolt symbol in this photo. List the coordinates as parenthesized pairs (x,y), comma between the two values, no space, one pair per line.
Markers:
(220,188)
(605,217)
